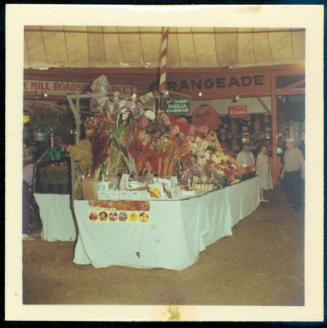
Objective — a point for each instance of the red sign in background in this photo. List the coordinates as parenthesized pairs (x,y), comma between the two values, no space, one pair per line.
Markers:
(237,111)
(206,116)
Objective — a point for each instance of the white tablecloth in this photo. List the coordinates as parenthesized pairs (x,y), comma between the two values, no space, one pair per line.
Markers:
(175,234)
(56,216)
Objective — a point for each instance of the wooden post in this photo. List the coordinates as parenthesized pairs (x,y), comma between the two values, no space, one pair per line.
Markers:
(77,117)
(73,165)
(78,120)
(274,123)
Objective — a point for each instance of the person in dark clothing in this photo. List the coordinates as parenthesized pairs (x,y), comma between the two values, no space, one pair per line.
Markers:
(26,208)
(302,145)
(293,174)
(27,185)
(31,222)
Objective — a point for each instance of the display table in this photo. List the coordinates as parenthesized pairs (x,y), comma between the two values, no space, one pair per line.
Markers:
(56,217)
(174,235)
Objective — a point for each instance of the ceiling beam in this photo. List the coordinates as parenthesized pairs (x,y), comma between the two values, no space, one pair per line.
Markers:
(263,105)
(290,92)
(279,70)
(293,85)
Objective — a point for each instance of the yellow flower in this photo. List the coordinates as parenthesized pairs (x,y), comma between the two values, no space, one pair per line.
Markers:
(150,115)
(26,118)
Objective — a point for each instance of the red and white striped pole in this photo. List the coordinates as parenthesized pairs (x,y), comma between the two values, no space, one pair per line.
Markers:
(163,60)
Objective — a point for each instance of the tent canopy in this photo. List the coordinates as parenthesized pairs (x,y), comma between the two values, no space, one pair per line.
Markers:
(100,46)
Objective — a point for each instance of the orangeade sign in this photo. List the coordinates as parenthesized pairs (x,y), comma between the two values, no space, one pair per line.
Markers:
(223,85)
(217,83)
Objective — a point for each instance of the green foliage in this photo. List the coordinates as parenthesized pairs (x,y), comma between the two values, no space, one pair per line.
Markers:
(44,119)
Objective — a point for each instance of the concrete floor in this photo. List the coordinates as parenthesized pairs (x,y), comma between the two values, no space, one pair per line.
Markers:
(261,264)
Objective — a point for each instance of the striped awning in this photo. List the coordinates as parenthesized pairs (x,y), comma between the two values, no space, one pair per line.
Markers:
(103,46)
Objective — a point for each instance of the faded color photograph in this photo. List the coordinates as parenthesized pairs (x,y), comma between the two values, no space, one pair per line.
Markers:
(163,165)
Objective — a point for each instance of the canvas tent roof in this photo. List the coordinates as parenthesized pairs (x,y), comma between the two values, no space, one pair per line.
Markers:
(98,46)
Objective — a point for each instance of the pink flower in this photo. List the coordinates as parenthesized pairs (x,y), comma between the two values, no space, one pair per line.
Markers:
(174,130)
(203,130)
(143,122)
(192,130)
(190,138)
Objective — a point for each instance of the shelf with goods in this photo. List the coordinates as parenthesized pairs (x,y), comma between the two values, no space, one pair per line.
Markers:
(254,129)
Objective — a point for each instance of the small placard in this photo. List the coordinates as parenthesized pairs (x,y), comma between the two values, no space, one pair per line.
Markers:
(177,105)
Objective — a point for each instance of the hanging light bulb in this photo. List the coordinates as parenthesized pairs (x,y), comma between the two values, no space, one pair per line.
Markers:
(236,98)
(200,94)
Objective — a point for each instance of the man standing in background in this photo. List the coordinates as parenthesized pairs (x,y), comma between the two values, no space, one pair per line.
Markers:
(293,173)
(245,158)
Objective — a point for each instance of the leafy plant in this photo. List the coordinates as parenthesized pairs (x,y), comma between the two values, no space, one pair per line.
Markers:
(44,119)
(82,154)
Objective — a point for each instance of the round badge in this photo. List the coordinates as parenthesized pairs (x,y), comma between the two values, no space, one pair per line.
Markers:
(144,217)
(93,216)
(122,216)
(113,216)
(103,216)
(132,217)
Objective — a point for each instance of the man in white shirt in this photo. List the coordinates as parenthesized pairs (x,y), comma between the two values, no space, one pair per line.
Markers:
(245,158)
(292,172)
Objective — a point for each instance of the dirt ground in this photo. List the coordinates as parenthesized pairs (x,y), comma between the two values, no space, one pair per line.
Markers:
(261,264)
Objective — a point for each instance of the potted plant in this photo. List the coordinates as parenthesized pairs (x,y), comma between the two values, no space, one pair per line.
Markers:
(43,121)
(81,153)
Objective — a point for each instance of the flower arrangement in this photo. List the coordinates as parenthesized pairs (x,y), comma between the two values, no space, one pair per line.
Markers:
(212,160)
(124,133)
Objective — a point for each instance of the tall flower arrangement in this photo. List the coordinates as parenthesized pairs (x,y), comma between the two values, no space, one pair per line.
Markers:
(124,133)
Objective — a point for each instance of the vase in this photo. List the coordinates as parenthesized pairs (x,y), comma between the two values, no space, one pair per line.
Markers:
(113,181)
(40,136)
(89,189)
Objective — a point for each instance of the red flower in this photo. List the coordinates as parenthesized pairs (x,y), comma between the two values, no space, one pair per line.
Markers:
(181,122)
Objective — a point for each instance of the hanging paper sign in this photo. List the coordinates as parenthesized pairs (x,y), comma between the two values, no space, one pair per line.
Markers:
(206,116)
(237,111)
(63,88)
(177,105)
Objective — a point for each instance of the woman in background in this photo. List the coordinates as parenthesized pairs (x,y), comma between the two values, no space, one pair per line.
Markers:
(277,168)
(263,170)
(28,168)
